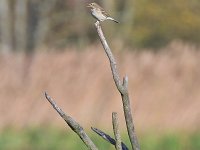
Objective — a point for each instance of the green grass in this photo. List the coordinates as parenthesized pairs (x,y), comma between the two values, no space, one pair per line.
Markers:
(55,139)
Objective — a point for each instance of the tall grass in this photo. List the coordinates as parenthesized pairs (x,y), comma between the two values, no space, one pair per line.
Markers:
(164,88)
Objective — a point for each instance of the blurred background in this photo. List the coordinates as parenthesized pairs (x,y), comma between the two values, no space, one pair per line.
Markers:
(52,45)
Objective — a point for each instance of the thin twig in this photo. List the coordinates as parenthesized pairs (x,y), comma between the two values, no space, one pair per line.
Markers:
(122,88)
(73,124)
(108,138)
(116,131)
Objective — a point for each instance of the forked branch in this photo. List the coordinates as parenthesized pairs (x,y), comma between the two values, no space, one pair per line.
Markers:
(122,87)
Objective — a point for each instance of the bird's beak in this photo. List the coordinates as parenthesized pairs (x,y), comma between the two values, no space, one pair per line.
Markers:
(89,5)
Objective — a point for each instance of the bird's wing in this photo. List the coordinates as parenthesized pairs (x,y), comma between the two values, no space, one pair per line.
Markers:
(102,10)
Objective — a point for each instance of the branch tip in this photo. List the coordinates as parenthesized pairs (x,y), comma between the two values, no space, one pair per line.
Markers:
(46,94)
(125,81)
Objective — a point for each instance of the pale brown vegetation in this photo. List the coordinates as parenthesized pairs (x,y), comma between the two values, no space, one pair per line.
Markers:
(164,88)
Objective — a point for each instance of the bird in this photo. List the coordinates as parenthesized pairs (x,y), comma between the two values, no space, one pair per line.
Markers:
(99,13)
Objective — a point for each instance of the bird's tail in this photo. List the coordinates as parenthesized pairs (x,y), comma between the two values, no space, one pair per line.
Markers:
(112,19)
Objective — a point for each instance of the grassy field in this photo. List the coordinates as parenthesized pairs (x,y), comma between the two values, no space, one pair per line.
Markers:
(54,139)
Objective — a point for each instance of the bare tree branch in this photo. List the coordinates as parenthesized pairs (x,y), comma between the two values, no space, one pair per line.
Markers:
(116,131)
(72,124)
(108,138)
(122,88)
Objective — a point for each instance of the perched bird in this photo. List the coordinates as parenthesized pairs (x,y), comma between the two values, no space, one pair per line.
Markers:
(99,13)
